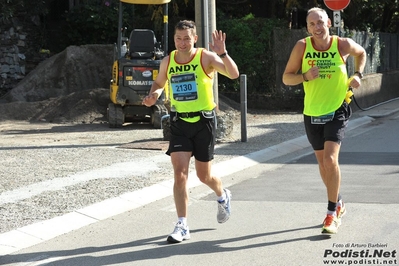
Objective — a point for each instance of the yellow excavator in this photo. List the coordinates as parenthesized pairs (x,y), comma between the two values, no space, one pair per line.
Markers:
(136,65)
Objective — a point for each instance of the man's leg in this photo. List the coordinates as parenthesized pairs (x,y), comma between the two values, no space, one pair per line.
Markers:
(329,168)
(331,175)
(224,195)
(180,162)
(204,174)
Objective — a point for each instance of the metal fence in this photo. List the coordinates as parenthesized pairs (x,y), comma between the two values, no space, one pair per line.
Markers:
(382,50)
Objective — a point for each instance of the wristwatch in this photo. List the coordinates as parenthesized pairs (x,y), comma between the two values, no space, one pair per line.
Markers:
(359,74)
(223,55)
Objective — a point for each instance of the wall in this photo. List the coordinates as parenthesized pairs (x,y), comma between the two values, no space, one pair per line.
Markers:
(12,57)
(377,88)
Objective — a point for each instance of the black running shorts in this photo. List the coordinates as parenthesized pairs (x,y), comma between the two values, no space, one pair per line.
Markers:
(198,137)
(331,131)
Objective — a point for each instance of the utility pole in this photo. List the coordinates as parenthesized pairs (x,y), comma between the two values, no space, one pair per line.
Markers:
(205,19)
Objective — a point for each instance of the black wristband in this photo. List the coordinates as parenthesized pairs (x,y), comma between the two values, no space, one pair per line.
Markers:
(223,55)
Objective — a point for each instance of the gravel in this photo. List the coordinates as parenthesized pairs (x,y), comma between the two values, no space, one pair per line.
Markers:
(48,170)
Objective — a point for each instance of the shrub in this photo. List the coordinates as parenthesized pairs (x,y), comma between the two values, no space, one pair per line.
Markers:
(249,42)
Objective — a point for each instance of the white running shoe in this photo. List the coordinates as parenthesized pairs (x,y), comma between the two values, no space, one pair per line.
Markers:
(224,208)
(180,233)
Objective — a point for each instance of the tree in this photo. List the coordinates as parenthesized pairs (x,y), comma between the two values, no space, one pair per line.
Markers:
(373,16)
(13,8)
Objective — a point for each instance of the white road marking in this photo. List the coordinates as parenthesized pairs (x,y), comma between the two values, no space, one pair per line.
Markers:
(119,170)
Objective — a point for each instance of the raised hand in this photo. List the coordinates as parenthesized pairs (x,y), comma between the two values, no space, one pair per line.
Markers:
(218,44)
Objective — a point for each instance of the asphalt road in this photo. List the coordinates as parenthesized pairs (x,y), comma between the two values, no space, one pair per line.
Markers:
(279,203)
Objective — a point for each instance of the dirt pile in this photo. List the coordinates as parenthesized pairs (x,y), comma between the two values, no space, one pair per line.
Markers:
(71,87)
(77,68)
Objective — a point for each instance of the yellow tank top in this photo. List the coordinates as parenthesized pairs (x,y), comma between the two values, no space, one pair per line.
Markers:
(325,94)
(190,87)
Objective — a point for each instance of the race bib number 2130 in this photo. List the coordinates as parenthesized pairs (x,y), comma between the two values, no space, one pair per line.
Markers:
(184,87)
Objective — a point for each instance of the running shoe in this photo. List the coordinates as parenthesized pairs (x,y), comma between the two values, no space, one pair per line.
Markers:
(224,208)
(180,233)
(330,225)
(341,210)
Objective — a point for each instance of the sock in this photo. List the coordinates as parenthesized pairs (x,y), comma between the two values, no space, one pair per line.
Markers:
(339,197)
(340,203)
(332,206)
(223,197)
(332,213)
(183,220)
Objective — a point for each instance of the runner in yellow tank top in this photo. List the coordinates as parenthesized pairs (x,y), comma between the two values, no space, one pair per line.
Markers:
(318,62)
(191,88)
(189,72)
(326,93)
